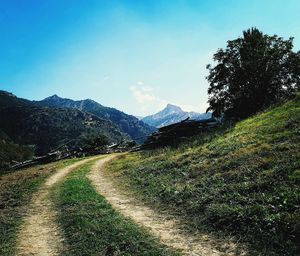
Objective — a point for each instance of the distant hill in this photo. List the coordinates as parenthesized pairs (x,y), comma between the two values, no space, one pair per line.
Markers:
(172,114)
(26,123)
(128,124)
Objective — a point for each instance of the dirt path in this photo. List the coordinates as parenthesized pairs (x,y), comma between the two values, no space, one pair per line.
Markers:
(39,233)
(165,227)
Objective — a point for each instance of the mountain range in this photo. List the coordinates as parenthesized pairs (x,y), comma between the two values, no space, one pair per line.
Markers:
(127,124)
(172,114)
(46,124)
(44,128)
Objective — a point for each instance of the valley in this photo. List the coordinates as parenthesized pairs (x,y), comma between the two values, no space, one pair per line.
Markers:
(189,200)
(149,128)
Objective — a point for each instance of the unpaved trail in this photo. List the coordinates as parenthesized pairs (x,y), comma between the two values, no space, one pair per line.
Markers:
(39,233)
(167,228)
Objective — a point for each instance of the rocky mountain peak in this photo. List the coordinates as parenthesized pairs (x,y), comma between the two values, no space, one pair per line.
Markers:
(170,109)
(173,107)
(54,96)
(172,114)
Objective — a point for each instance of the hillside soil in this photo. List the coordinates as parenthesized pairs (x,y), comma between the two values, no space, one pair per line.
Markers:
(167,228)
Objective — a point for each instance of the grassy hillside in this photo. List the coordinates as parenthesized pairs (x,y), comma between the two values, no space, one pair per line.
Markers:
(244,182)
(92,227)
(15,194)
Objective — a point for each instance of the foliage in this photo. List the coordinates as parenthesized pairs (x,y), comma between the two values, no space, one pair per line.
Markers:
(92,142)
(130,125)
(92,227)
(244,182)
(252,73)
(10,151)
(46,128)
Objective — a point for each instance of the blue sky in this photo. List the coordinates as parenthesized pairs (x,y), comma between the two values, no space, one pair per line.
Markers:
(134,55)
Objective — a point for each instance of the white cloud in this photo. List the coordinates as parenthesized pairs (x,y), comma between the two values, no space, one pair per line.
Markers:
(147,89)
(146,98)
(150,103)
(106,78)
(141,95)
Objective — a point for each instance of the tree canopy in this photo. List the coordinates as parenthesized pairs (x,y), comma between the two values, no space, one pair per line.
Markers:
(252,73)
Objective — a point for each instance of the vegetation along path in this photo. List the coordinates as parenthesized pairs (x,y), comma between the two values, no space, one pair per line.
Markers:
(165,227)
(39,233)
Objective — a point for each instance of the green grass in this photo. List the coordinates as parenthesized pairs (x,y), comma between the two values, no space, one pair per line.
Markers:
(92,227)
(15,193)
(244,182)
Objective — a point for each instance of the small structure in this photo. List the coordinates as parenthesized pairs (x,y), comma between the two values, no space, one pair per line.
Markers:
(172,134)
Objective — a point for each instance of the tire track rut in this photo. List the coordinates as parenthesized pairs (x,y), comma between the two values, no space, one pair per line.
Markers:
(39,233)
(167,228)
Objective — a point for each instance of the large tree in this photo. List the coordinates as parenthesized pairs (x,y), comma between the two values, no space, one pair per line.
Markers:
(252,73)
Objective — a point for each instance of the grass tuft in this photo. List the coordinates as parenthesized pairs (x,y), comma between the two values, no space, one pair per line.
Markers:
(92,227)
(242,182)
(16,190)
